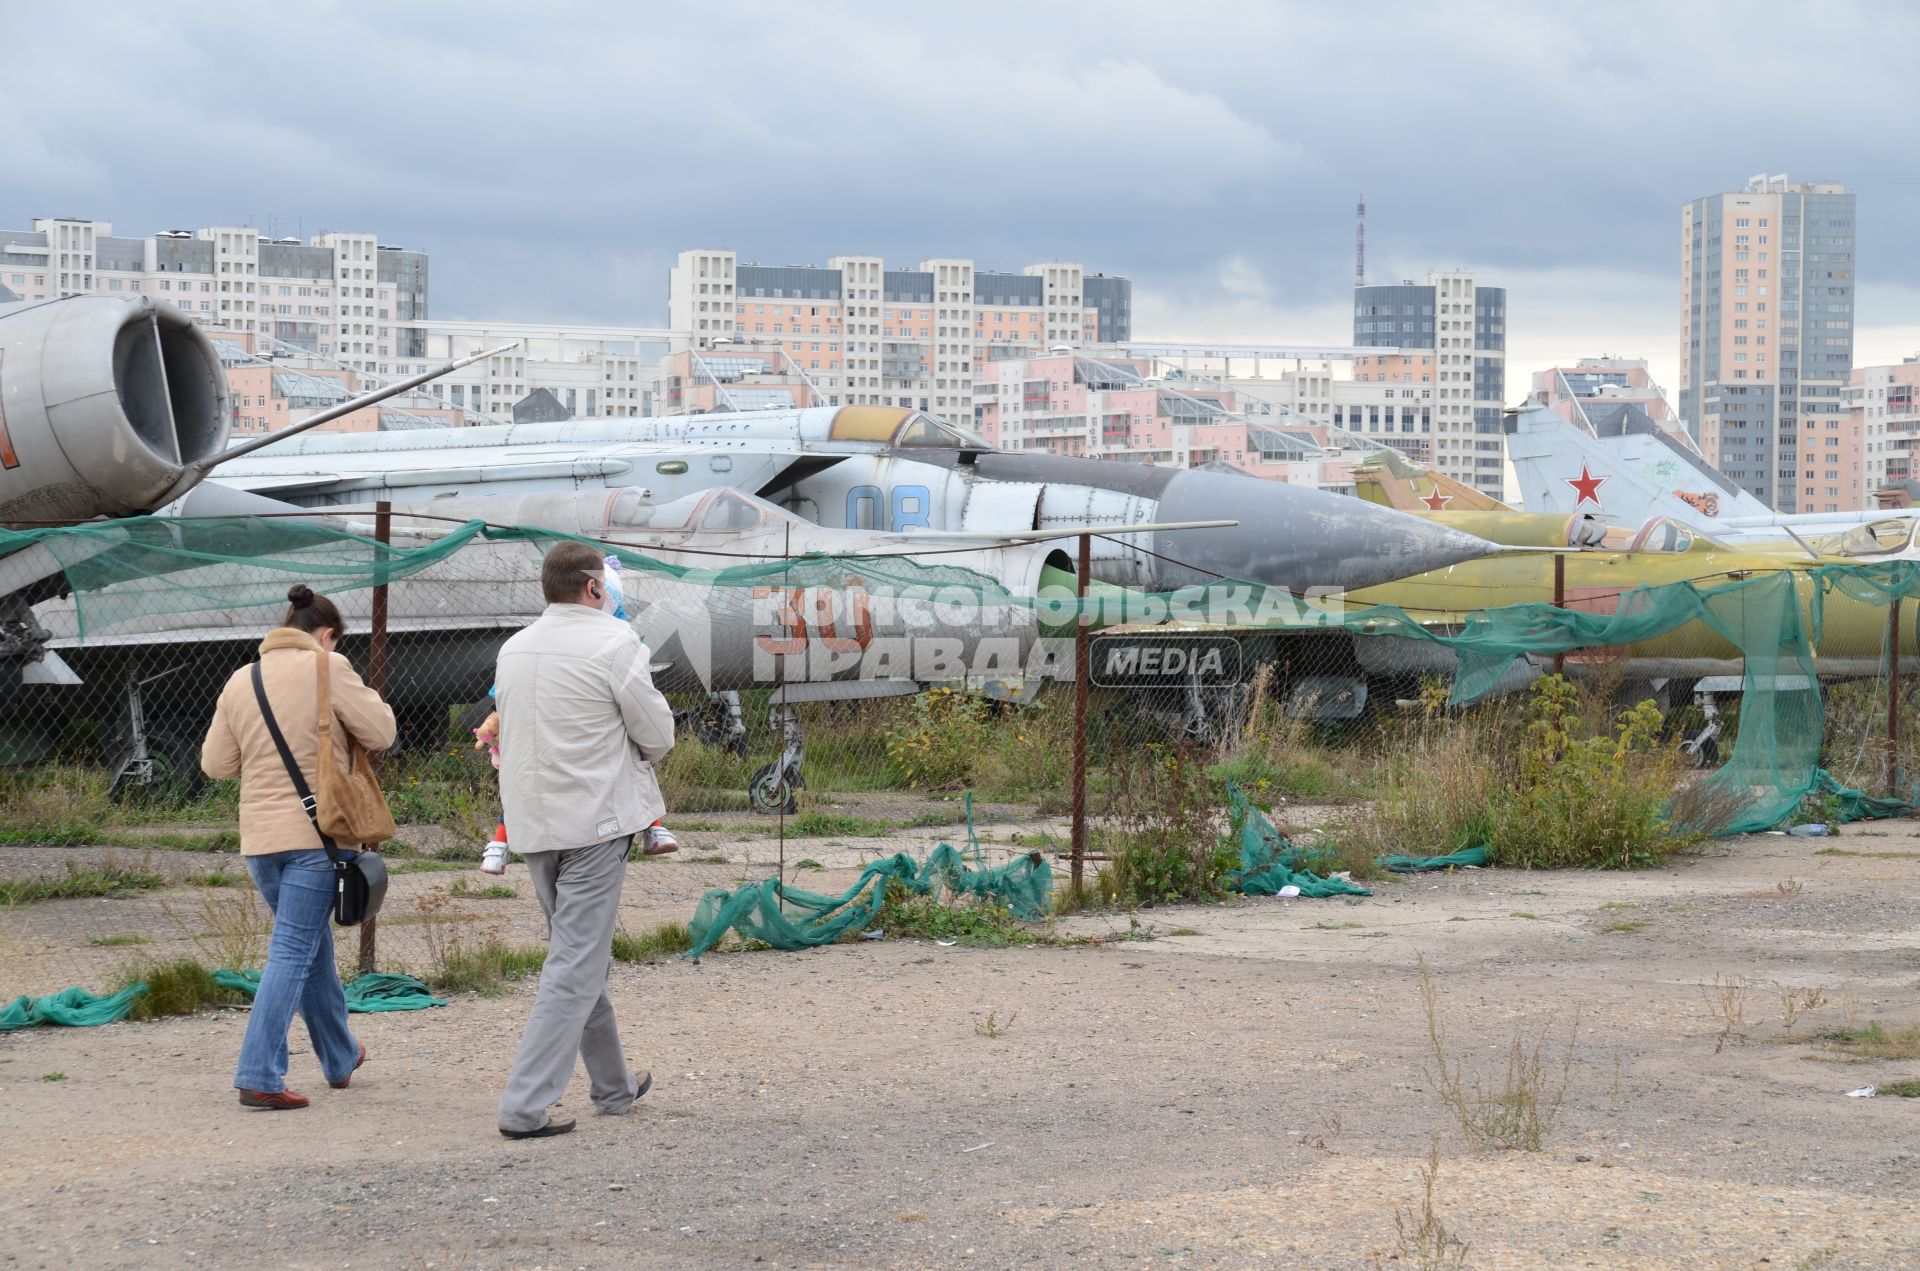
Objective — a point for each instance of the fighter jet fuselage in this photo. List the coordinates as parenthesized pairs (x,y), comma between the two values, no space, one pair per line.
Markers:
(891,470)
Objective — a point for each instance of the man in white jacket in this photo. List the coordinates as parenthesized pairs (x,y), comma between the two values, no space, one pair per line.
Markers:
(581,727)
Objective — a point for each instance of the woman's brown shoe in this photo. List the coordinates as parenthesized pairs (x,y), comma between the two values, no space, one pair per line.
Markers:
(342,1083)
(277,1101)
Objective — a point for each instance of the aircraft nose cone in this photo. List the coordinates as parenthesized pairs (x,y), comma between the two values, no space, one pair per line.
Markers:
(1296,537)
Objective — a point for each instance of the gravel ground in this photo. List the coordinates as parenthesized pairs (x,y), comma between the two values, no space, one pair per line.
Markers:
(1253,1094)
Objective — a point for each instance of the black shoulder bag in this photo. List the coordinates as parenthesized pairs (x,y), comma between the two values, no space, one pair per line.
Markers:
(359,880)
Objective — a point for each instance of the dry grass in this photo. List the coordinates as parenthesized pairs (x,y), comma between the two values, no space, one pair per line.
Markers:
(1519,1111)
(230,926)
(1796,1002)
(1873,1042)
(993,1026)
(439,921)
(1727,1000)
(653,944)
(1702,809)
(1424,1241)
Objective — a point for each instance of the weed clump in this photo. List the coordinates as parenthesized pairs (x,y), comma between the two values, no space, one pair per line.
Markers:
(652,945)
(488,968)
(1519,1112)
(817,824)
(81,883)
(228,926)
(1166,844)
(1588,801)
(950,741)
(1874,1042)
(907,914)
(179,987)
(1276,756)
(465,889)
(1424,1240)
(1568,784)
(993,1027)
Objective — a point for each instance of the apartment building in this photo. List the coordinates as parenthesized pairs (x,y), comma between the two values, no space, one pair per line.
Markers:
(1448,338)
(1576,393)
(856,332)
(1130,409)
(271,389)
(1766,339)
(1883,407)
(337,295)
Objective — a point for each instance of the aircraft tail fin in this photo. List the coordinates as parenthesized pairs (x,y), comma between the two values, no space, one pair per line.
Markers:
(1626,466)
(1390,479)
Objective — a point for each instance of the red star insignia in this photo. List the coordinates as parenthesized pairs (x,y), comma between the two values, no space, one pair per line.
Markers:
(1437,501)
(1588,487)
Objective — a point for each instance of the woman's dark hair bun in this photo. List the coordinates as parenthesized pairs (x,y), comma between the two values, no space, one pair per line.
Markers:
(299,595)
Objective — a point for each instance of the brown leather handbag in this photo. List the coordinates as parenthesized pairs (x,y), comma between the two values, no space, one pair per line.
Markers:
(351,808)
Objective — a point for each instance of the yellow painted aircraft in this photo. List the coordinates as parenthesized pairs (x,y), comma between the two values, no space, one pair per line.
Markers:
(1618,559)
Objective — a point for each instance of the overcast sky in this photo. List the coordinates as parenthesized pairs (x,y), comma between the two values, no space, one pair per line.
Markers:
(553,158)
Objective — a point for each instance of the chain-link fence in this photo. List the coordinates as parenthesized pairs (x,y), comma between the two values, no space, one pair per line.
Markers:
(836,709)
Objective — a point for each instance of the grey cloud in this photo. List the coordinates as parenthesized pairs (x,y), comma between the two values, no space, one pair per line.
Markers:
(553,158)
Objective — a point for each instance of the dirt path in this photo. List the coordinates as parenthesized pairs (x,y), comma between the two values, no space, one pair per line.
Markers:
(1255,1094)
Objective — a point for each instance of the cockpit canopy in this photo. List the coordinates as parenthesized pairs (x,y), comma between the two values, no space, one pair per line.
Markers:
(898,426)
(1876,538)
(1662,536)
(724,510)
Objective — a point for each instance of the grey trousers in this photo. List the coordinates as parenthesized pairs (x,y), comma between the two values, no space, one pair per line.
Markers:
(579,890)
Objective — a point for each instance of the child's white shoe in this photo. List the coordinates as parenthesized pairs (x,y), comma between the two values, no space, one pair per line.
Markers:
(494,859)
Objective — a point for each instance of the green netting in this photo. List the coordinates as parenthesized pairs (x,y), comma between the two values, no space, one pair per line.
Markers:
(1857,805)
(1770,623)
(1465,858)
(140,566)
(794,918)
(366,994)
(77,1008)
(69,1008)
(1269,860)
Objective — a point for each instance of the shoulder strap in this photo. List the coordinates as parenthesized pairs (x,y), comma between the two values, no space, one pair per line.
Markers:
(323,693)
(300,786)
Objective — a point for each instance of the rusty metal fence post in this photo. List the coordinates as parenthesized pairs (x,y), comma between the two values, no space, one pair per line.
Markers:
(1893,699)
(1559,602)
(1080,660)
(377,679)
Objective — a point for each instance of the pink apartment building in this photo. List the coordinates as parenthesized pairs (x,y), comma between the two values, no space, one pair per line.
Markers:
(1117,408)
(859,332)
(1884,410)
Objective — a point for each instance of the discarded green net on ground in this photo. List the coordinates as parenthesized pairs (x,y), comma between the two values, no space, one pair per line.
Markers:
(1857,805)
(794,918)
(70,1008)
(1269,860)
(77,1008)
(1465,858)
(367,994)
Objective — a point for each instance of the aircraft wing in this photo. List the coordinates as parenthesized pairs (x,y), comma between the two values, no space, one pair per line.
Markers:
(282,483)
(668,470)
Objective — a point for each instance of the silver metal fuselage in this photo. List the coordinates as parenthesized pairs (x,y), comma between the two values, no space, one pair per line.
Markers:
(908,472)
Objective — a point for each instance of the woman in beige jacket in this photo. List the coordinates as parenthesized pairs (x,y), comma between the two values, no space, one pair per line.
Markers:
(281,846)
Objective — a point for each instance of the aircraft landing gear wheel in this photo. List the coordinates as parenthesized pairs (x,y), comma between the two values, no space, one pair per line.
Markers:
(771,793)
(168,776)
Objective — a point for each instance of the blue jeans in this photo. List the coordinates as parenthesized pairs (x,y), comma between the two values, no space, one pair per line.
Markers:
(299,975)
